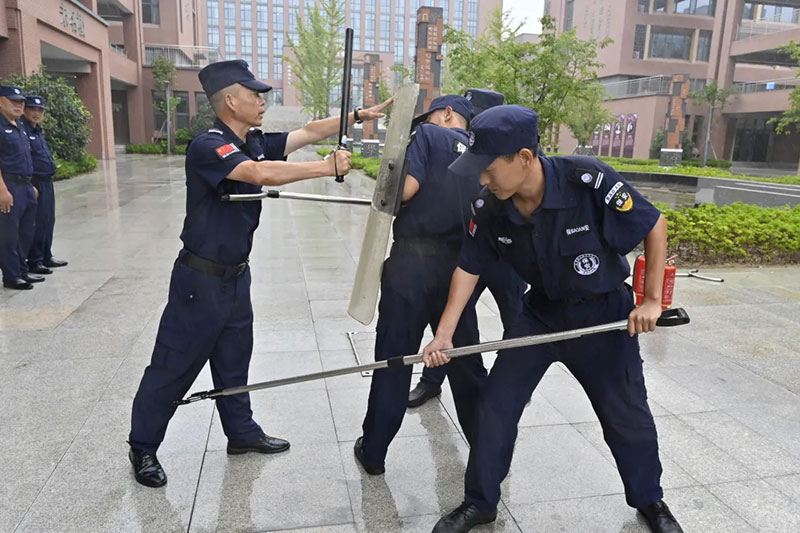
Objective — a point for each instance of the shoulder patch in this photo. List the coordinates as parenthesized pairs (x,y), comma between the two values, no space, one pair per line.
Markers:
(459,147)
(591,179)
(215,130)
(226,150)
(619,197)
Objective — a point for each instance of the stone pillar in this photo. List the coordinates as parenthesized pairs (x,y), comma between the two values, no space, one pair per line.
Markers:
(428,60)
(94,90)
(674,123)
(372,79)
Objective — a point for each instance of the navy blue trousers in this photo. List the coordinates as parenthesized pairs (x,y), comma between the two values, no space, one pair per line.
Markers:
(609,369)
(207,319)
(413,296)
(507,288)
(40,250)
(16,230)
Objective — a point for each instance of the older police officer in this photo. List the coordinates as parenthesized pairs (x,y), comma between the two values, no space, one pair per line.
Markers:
(40,257)
(427,237)
(502,281)
(209,316)
(17,195)
(565,224)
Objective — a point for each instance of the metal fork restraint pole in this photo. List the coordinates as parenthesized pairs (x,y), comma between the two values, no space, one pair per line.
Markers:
(295,196)
(670,317)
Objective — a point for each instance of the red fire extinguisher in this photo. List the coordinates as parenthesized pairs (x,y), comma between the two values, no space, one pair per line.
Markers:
(668,288)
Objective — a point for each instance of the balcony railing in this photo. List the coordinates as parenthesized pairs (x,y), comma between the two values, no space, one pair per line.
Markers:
(118,49)
(184,57)
(783,22)
(654,85)
(765,85)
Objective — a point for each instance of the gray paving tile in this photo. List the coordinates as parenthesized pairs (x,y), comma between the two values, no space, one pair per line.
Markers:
(697,509)
(780,422)
(788,485)
(251,493)
(504,523)
(762,506)
(68,379)
(567,396)
(674,398)
(597,514)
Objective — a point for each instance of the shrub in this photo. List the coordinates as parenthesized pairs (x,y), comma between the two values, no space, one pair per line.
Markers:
(149,148)
(370,165)
(66,121)
(658,142)
(66,169)
(182,136)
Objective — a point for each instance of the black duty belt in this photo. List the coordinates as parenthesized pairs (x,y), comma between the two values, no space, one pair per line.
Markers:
(427,246)
(541,297)
(210,267)
(18,178)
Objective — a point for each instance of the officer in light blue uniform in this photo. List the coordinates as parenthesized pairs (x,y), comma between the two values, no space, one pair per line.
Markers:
(40,256)
(427,239)
(565,224)
(209,315)
(17,195)
(502,281)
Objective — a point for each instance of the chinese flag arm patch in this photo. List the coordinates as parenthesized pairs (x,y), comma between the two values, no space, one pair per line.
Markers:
(226,150)
(473,227)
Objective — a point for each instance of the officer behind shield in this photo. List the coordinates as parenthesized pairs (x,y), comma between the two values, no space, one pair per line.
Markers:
(565,224)
(427,238)
(40,256)
(502,281)
(209,316)
(17,195)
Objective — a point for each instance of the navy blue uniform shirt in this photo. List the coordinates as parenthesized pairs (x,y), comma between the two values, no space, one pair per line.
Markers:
(435,211)
(15,150)
(213,229)
(43,163)
(574,244)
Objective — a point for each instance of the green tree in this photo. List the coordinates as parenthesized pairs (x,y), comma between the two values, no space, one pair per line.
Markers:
(544,76)
(164,79)
(585,112)
(316,65)
(66,122)
(714,97)
(790,120)
(384,93)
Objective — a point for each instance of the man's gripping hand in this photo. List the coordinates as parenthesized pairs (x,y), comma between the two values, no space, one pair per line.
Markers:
(432,353)
(643,318)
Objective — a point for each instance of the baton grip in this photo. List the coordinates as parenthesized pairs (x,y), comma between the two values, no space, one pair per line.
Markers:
(673,317)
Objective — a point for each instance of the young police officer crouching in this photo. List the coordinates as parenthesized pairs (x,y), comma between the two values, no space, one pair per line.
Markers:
(565,224)
(209,316)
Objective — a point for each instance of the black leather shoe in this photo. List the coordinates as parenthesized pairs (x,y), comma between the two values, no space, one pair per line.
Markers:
(55,263)
(359,453)
(422,393)
(659,518)
(33,278)
(462,519)
(265,444)
(146,468)
(39,268)
(18,284)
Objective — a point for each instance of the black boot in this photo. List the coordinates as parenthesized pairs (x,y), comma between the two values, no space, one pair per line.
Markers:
(659,518)
(146,468)
(422,393)
(462,519)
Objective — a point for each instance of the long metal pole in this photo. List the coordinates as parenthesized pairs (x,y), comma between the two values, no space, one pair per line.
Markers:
(670,317)
(295,196)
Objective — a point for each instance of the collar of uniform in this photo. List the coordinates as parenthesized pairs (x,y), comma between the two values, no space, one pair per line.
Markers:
(228,134)
(554,194)
(4,122)
(27,124)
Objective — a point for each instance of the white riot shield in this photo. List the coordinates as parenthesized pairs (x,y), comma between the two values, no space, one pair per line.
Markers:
(385,201)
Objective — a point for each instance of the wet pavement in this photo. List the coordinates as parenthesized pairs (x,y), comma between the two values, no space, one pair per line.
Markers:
(724,391)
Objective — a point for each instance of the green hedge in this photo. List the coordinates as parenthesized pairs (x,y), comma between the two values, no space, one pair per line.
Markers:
(370,165)
(737,233)
(66,169)
(149,148)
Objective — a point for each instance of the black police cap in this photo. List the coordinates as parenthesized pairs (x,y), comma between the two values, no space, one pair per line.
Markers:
(219,75)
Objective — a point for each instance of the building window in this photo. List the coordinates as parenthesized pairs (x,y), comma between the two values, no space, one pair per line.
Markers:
(246,14)
(229,13)
(182,109)
(213,13)
(697,129)
(399,51)
(151,14)
(369,44)
(293,8)
(277,68)
(703,45)
(399,25)
(230,44)
(472,28)
(247,46)
(569,13)
(358,87)
(263,67)
(779,14)
(670,43)
(695,7)
(400,7)
(200,100)
(263,42)
(749,11)
(213,38)
(277,96)
(472,9)
(262,16)
(277,29)
(412,37)
(355,23)
(639,39)
(659,6)
(643,6)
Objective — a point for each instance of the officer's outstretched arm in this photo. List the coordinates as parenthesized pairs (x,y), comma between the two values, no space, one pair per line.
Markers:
(643,318)
(273,173)
(462,285)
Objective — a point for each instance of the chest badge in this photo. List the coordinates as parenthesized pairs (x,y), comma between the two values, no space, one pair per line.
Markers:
(9,131)
(586,264)
(505,240)
(227,150)
(619,198)
(459,147)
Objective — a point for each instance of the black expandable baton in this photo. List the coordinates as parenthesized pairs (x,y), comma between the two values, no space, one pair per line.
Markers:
(344,116)
(669,318)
